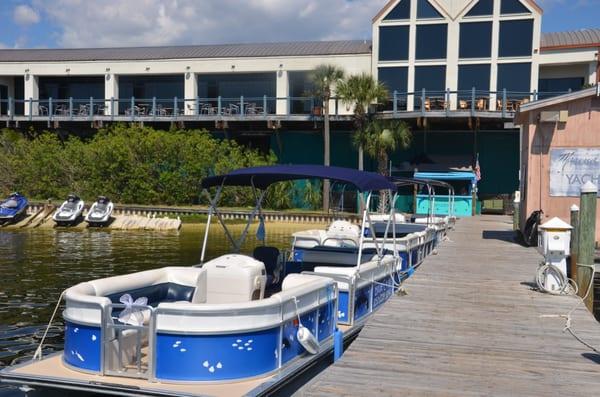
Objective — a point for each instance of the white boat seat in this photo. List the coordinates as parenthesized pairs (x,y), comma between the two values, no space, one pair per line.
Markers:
(234,278)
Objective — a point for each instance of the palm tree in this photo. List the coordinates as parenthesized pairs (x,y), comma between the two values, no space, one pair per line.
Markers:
(361,91)
(324,79)
(380,137)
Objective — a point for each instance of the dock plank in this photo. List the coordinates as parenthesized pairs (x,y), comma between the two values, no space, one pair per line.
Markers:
(470,325)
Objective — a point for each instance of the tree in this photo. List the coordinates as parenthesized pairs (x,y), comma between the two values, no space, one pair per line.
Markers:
(324,79)
(379,138)
(361,91)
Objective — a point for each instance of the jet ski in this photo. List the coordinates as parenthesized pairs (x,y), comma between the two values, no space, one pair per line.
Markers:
(99,214)
(69,212)
(12,207)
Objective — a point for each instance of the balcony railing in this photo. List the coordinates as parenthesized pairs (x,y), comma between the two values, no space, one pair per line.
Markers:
(400,105)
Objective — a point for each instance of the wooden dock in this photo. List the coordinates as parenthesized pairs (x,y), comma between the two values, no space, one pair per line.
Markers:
(470,325)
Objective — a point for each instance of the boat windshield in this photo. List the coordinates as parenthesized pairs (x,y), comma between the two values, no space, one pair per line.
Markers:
(70,205)
(10,203)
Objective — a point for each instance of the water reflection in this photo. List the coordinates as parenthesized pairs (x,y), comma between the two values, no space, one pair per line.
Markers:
(37,265)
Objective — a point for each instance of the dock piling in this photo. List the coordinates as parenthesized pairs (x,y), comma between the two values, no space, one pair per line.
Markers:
(574,241)
(586,243)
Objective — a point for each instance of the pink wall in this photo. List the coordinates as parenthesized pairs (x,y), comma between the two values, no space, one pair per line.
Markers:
(582,130)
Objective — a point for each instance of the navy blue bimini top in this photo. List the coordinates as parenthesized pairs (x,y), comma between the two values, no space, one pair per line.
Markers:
(262,177)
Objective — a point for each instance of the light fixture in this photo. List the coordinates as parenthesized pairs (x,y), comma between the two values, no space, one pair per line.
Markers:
(147,68)
(107,70)
(68,70)
(232,67)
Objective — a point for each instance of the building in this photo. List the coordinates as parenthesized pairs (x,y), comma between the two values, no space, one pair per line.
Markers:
(457,71)
(560,149)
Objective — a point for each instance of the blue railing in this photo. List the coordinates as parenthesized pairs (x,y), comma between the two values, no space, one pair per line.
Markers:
(471,101)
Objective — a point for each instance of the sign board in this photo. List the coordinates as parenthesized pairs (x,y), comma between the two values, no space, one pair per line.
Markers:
(570,169)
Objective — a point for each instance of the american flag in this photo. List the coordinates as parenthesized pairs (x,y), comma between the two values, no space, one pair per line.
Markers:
(477,169)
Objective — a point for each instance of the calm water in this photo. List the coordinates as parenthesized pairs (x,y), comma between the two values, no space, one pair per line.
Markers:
(37,265)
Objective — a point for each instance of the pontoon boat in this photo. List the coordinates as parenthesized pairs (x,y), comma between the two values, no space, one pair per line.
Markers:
(235,325)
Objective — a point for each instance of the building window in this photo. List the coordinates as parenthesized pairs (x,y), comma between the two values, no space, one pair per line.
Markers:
(426,11)
(473,76)
(513,7)
(301,86)
(515,78)
(393,43)
(430,78)
(475,40)
(395,79)
(516,38)
(482,8)
(552,87)
(432,41)
(82,88)
(401,11)
(3,99)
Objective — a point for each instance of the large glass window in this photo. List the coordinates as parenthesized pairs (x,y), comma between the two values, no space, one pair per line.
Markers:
(515,78)
(425,10)
(232,86)
(164,87)
(395,79)
(516,38)
(513,7)
(75,87)
(301,88)
(475,40)
(551,87)
(60,89)
(401,11)
(3,99)
(482,8)
(393,43)
(432,41)
(473,76)
(430,78)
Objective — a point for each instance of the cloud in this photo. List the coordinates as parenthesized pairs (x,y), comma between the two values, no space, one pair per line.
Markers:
(109,23)
(24,15)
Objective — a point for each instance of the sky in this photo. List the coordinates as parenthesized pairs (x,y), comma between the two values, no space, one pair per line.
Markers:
(110,23)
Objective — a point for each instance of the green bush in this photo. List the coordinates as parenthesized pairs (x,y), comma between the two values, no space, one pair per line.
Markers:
(130,164)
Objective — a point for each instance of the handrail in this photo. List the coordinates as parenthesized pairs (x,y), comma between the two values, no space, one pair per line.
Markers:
(503,101)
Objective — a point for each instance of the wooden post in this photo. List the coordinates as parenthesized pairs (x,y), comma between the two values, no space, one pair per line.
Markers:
(516,214)
(586,243)
(574,241)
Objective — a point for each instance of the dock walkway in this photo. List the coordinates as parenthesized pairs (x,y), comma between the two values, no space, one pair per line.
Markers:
(470,325)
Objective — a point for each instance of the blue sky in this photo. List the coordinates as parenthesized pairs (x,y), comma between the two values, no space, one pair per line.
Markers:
(92,23)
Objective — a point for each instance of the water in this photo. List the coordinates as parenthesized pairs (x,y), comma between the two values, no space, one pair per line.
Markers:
(37,265)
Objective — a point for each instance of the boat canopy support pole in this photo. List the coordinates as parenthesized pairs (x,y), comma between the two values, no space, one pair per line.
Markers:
(211,209)
(257,210)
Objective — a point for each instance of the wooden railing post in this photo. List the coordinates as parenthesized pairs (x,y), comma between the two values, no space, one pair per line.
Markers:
(586,242)
(574,241)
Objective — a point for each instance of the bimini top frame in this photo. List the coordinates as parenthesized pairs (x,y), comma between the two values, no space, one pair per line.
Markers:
(431,184)
(260,178)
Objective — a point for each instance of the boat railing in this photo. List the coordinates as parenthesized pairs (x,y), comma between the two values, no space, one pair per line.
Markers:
(123,344)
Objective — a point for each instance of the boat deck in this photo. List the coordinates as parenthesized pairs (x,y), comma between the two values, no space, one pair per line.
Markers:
(470,325)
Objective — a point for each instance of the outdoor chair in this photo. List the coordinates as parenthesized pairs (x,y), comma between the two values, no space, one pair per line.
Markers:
(481,105)
(42,110)
(462,104)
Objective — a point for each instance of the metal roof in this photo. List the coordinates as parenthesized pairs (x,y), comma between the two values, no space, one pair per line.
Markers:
(574,39)
(301,48)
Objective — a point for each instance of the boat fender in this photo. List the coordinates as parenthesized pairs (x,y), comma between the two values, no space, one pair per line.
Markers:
(307,340)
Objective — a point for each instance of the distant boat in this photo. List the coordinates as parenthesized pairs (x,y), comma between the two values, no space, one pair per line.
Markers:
(12,207)
(100,212)
(69,211)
